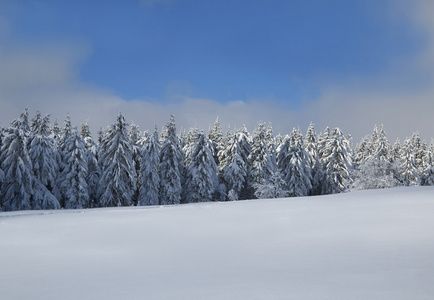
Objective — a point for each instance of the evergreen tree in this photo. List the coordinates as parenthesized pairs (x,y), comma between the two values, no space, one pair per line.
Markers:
(409,171)
(144,139)
(224,155)
(44,159)
(134,134)
(93,170)
(235,177)
(374,174)
(279,140)
(377,169)
(293,162)
(23,122)
(149,170)
(134,137)
(65,134)
(396,151)
(215,136)
(56,132)
(337,163)
(118,179)
(85,131)
(74,188)
(36,122)
(311,147)
(202,172)
(67,131)
(171,166)
(272,188)
(420,152)
(428,175)
(100,136)
(16,190)
(234,164)
(189,144)
(259,158)
(373,144)
(244,142)
(272,147)
(361,152)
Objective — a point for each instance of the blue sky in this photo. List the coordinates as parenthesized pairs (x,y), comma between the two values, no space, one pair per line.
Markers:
(290,55)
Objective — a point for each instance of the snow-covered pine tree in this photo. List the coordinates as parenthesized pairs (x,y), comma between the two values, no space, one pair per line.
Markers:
(279,140)
(323,139)
(100,136)
(409,172)
(235,177)
(149,172)
(431,146)
(223,161)
(377,169)
(294,165)
(234,164)
(44,157)
(337,163)
(171,166)
(373,143)
(118,179)
(259,158)
(190,141)
(16,189)
(225,156)
(215,136)
(67,130)
(427,177)
(182,138)
(361,152)
(311,147)
(420,150)
(244,141)
(272,147)
(64,135)
(273,188)
(85,131)
(23,122)
(134,135)
(35,123)
(2,136)
(396,151)
(74,188)
(202,174)
(93,169)
(56,132)
(144,139)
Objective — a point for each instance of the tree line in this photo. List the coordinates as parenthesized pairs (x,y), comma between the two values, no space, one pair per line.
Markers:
(44,166)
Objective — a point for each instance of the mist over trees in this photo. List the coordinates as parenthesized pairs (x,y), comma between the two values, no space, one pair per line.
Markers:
(45,166)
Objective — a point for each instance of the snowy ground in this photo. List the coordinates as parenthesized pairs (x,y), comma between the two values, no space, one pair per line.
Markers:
(361,245)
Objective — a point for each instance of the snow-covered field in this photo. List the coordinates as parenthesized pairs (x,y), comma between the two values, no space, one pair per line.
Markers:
(361,245)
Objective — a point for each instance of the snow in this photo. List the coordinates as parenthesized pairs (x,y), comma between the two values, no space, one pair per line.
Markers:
(376,244)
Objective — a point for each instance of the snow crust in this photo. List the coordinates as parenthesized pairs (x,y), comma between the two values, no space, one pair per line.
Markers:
(375,244)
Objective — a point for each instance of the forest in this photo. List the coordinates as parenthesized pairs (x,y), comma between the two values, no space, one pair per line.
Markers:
(48,166)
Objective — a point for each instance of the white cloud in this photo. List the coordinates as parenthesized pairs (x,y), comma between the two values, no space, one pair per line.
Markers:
(401,98)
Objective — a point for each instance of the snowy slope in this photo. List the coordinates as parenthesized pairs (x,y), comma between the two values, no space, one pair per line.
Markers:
(362,245)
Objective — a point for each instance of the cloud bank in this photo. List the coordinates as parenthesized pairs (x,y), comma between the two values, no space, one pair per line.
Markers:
(401,97)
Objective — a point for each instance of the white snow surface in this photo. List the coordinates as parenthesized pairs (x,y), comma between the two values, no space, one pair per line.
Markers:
(376,244)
